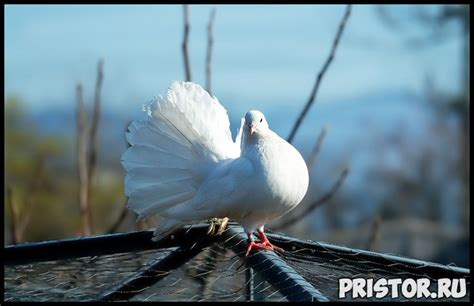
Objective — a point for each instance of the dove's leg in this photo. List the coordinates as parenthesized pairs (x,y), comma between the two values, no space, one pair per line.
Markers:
(266,242)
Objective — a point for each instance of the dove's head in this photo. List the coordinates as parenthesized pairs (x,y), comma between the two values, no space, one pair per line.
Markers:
(255,123)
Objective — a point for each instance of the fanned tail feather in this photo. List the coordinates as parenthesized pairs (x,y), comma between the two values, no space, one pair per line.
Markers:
(172,151)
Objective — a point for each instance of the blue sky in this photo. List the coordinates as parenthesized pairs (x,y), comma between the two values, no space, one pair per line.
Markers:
(264,56)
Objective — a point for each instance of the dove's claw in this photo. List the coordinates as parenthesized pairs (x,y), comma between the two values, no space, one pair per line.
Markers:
(223,225)
(265,245)
(275,248)
(257,246)
(212,228)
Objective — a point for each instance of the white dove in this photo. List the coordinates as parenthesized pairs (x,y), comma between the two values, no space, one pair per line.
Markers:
(184,167)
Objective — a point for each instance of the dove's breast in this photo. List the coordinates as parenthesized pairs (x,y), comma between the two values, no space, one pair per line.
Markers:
(284,180)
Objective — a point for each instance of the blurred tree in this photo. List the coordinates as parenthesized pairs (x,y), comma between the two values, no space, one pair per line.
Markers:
(27,172)
(440,23)
(42,180)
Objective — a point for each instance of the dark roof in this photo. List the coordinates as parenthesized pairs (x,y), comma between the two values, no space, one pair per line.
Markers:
(191,265)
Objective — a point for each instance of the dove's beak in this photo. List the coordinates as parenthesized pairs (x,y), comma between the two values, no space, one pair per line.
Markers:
(252,129)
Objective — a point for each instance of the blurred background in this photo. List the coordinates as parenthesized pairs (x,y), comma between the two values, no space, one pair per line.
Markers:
(393,108)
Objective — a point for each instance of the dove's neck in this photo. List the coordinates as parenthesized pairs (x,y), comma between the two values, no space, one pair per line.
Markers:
(255,143)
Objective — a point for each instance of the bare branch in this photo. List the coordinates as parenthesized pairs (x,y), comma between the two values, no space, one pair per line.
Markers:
(296,218)
(82,162)
(24,218)
(14,217)
(126,131)
(141,225)
(93,139)
(187,66)
(321,74)
(374,233)
(210,41)
(124,212)
(150,222)
(119,221)
(317,148)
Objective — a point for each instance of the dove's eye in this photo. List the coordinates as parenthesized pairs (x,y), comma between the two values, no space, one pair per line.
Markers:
(261,119)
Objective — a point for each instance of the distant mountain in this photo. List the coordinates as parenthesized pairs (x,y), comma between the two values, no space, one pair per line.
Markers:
(62,122)
(343,117)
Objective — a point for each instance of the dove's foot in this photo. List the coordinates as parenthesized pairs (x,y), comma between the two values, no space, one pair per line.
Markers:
(264,244)
(212,227)
(222,226)
(267,242)
(257,246)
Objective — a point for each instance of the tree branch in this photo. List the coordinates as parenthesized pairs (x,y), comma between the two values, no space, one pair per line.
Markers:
(23,219)
(93,139)
(374,233)
(317,148)
(119,221)
(297,218)
(187,65)
(124,212)
(321,74)
(14,216)
(82,162)
(210,41)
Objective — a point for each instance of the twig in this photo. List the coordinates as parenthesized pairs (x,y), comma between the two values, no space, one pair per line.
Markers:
(126,131)
(317,147)
(119,221)
(187,65)
(93,139)
(150,222)
(14,217)
(321,74)
(124,212)
(293,219)
(24,219)
(82,162)
(210,41)
(141,225)
(374,233)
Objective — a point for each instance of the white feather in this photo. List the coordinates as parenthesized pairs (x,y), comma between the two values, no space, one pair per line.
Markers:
(173,150)
(183,166)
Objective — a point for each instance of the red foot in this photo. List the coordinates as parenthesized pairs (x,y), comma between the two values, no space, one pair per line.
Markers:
(262,245)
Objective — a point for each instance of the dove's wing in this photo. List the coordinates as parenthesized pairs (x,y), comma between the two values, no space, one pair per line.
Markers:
(221,194)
